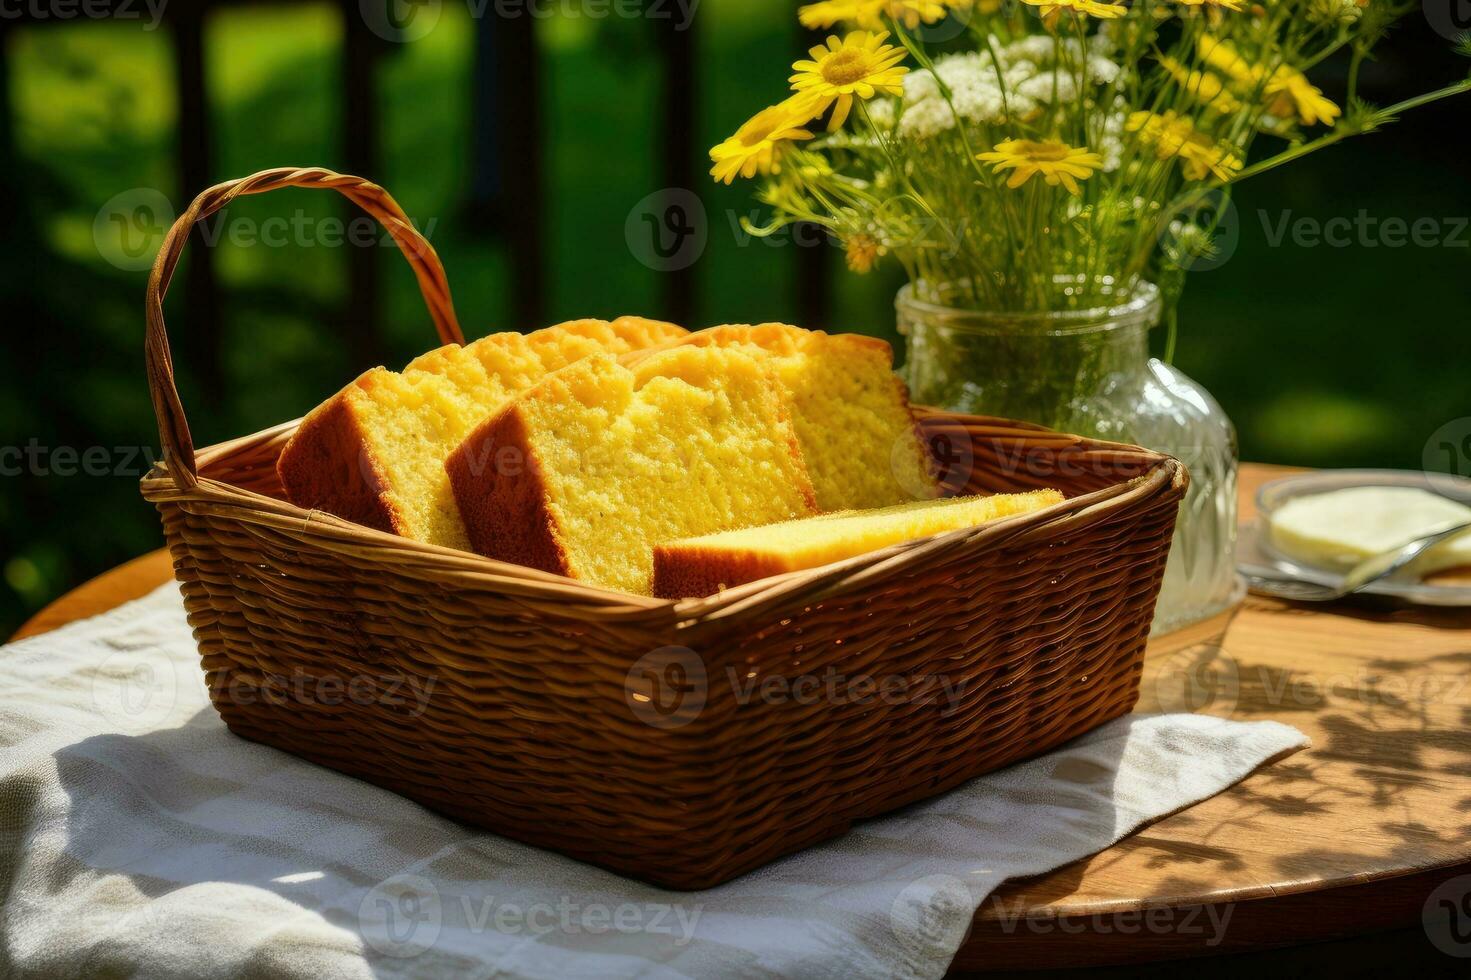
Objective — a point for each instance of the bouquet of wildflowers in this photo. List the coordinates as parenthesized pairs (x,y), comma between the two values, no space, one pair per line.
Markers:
(1049,141)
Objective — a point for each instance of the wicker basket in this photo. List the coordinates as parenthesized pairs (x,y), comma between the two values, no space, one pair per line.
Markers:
(679,742)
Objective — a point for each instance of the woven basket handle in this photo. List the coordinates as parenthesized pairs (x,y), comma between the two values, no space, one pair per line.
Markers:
(173,428)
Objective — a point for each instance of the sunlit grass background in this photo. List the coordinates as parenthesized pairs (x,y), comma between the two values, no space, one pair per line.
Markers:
(1324,356)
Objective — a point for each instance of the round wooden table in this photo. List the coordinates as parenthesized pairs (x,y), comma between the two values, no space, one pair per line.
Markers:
(1352,835)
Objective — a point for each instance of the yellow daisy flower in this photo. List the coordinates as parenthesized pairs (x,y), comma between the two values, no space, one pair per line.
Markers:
(912,13)
(1292,94)
(1232,5)
(870,14)
(1224,59)
(1173,135)
(759,144)
(863,251)
(984,6)
(1052,10)
(1289,90)
(861,65)
(1057,162)
(1166,132)
(1200,156)
(820,16)
(1203,86)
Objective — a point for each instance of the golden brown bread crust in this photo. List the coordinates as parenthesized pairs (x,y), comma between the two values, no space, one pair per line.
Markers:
(648,331)
(783,338)
(939,480)
(776,338)
(501,491)
(328,466)
(683,571)
(794,449)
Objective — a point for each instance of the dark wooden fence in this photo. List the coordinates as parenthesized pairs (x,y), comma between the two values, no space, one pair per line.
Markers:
(506,143)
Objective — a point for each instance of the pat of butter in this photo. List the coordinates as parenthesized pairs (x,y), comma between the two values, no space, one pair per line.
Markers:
(1341,528)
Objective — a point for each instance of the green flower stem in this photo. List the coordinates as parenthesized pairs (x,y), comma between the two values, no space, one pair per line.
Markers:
(1379,118)
(1000,79)
(919,55)
(1353,72)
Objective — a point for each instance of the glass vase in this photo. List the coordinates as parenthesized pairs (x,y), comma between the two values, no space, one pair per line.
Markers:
(1088,371)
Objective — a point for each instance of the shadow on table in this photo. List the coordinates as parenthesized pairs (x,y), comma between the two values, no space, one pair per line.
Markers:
(1371,608)
(1382,791)
(1391,736)
(1395,953)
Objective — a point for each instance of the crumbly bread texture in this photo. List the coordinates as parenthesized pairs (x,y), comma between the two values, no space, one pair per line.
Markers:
(705,565)
(851,412)
(374,453)
(586,473)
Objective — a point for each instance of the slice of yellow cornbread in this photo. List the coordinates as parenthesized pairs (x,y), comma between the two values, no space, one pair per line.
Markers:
(585,473)
(705,565)
(850,409)
(374,453)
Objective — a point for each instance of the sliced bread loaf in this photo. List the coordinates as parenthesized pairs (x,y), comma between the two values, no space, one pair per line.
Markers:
(850,409)
(374,453)
(705,565)
(585,473)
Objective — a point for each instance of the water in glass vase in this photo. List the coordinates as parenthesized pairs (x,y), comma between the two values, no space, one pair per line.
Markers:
(1088,371)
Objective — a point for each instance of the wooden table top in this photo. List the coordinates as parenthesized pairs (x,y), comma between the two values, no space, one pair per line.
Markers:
(1350,835)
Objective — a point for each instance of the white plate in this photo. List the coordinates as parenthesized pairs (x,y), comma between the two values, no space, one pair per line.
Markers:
(1255,555)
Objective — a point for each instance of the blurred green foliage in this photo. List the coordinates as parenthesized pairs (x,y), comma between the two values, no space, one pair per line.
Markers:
(1324,356)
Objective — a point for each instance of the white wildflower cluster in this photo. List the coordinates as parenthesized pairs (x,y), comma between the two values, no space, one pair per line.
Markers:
(974,90)
(1111,144)
(1022,78)
(925,118)
(1044,53)
(883,113)
(1050,86)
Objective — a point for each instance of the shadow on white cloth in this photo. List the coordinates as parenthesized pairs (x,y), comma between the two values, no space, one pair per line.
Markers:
(142,838)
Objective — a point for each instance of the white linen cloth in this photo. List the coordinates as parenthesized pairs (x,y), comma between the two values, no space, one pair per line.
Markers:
(141,838)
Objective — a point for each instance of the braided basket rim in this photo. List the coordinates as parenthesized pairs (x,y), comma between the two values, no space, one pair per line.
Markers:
(465,570)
